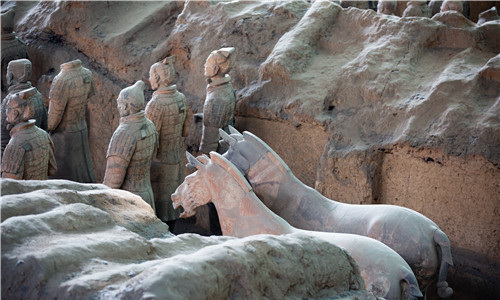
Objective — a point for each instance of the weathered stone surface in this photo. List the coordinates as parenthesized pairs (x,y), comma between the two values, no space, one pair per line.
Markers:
(62,239)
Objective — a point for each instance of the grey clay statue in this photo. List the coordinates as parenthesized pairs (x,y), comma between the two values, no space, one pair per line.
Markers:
(132,146)
(410,234)
(167,110)
(30,152)
(18,75)
(218,110)
(387,7)
(417,8)
(66,120)
(242,214)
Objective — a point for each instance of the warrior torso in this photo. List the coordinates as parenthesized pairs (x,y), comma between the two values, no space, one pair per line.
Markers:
(30,152)
(135,140)
(68,98)
(218,110)
(167,110)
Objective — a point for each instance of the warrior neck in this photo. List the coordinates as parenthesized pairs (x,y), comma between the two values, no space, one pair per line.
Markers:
(21,126)
(72,65)
(138,116)
(166,90)
(215,81)
(19,86)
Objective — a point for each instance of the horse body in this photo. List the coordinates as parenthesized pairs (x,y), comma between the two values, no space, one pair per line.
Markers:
(409,233)
(242,214)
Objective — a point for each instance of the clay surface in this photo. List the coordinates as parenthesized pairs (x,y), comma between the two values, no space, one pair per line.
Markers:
(65,239)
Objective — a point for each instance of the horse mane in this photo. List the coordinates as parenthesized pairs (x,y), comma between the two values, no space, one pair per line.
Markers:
(229,167)
(257,142)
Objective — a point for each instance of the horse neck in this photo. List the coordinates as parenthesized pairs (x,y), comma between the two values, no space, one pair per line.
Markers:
(240,212)
(267,175)
(275,184)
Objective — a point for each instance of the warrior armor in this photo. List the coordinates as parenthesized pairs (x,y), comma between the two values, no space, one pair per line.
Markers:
(29,154)
(66,118)
(135,143)
(167,110)
(218,112)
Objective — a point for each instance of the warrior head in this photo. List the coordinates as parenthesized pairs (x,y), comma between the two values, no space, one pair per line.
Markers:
(218,62)
(162,73)
(131,99)
(387,7)
(19,109)
(452,5)
(18,71)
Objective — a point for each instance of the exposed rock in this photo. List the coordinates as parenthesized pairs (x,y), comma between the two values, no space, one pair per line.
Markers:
(95,242)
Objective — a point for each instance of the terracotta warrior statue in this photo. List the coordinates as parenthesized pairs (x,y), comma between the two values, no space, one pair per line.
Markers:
(452,5)
(67,108)
(18,75)
(387,7)
(218,111)
(12,47)
(417,8)
(132,146)
(167,110)
(30,152)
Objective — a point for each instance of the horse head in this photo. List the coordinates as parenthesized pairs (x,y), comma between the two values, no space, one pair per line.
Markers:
(247,149)
(193,192)
(216,178)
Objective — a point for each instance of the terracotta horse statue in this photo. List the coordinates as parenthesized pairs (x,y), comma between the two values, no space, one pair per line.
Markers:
(242,214)
(412,235)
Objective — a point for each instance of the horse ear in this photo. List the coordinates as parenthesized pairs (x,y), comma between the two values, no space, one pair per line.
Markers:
(204,159)
(233,130)
(220,160)
(235,133)
(193,162)
(227,138)
(262,146)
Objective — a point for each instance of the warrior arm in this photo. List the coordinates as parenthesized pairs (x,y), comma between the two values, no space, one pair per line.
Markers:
(188,120)
(57,103)
(44,124)
(13,162)
(120,151)
(116,170)
(153,113)
(92,90)
(52,160)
